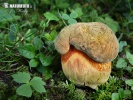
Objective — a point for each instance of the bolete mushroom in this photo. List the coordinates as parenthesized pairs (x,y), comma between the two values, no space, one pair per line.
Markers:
(87,50)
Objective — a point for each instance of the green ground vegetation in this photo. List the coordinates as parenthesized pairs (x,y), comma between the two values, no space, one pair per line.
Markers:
(30,66)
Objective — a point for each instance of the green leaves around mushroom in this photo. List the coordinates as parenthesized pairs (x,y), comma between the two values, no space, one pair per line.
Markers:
(7,16)
(71,19)
(129,57)
(38,43)
(49,16)
(13,32)
(45,60)
(125,61)
(130,83)
(33,51)
(122,94)
(121,63)
(27,83)
(28,51)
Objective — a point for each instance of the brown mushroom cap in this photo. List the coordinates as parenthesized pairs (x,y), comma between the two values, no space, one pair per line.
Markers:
(95,39)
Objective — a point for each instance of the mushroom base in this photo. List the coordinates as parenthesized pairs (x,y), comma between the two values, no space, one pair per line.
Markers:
(81,69)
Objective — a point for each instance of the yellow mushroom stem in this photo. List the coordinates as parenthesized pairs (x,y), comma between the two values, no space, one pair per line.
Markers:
(81,69)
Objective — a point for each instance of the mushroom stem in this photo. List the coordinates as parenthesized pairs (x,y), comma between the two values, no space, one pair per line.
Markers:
(81,69)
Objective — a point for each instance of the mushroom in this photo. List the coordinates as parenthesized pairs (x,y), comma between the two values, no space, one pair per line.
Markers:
(87,50)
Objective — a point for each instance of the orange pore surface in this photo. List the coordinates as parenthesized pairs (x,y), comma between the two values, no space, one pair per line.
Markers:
(97,65)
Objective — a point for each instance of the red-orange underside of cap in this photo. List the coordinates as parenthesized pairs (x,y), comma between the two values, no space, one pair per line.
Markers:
(97,65)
